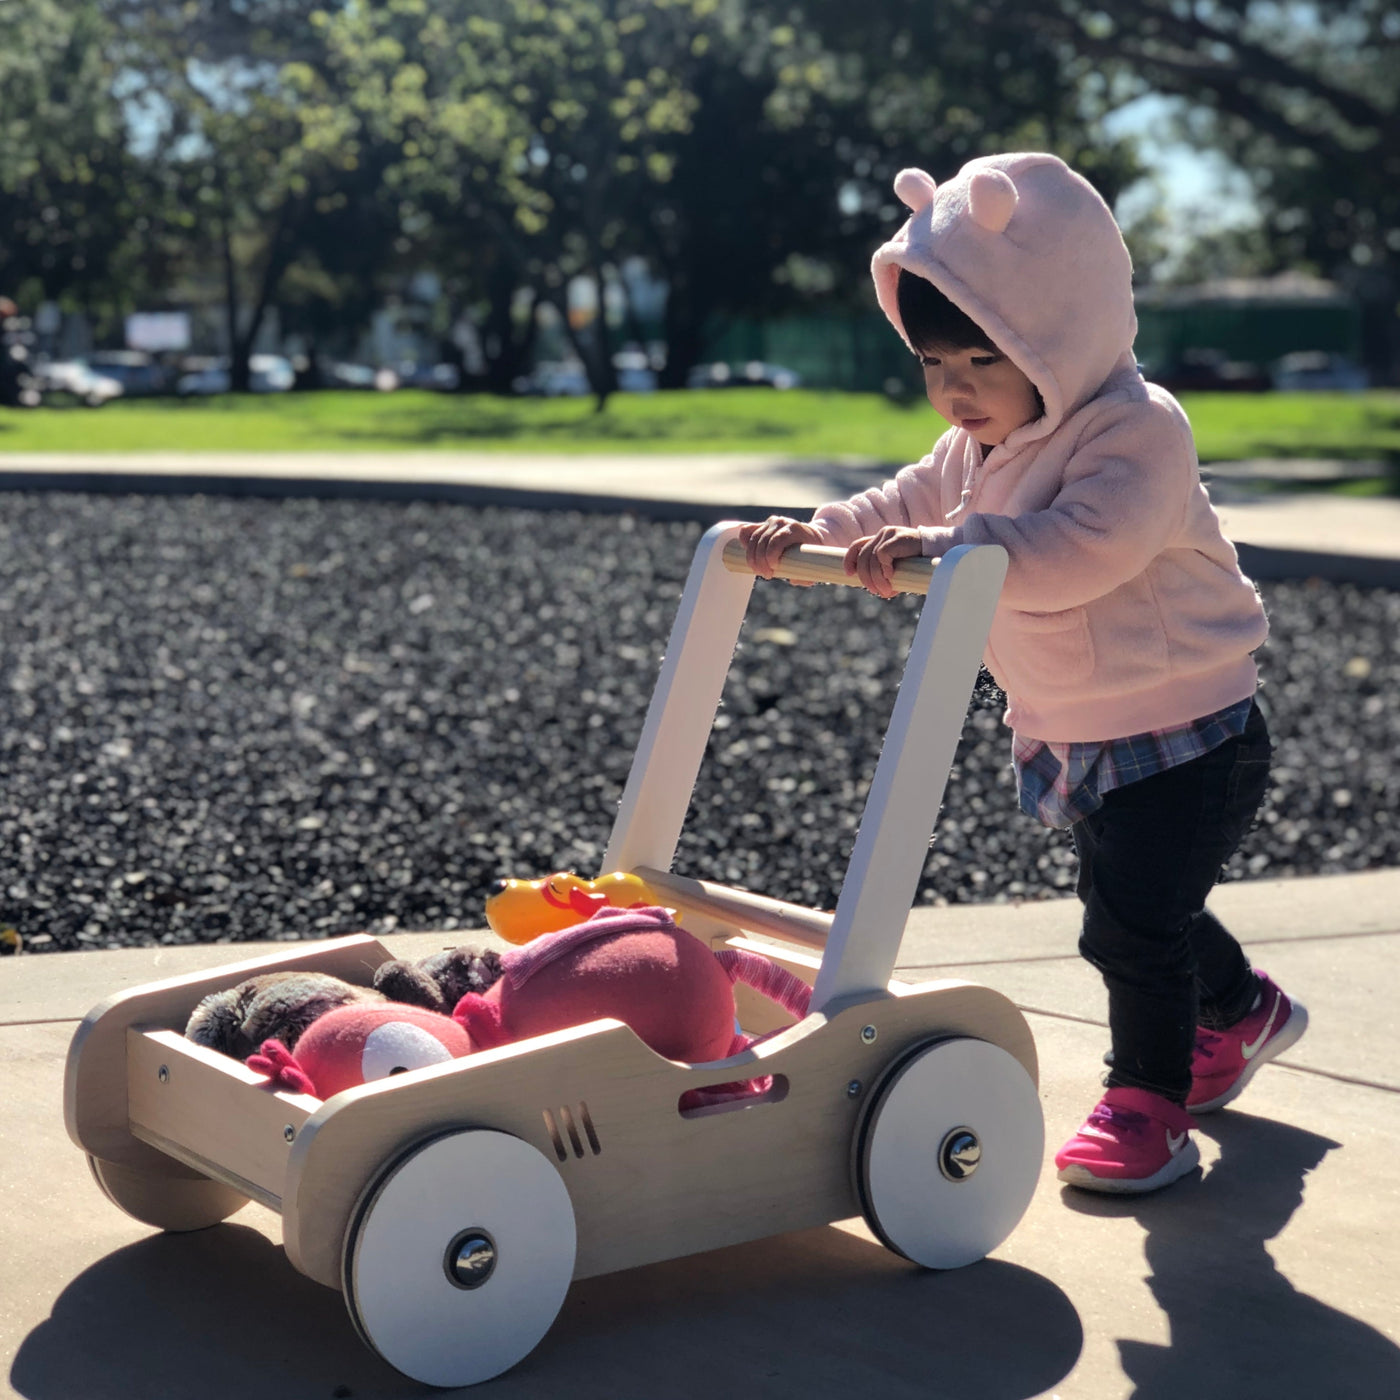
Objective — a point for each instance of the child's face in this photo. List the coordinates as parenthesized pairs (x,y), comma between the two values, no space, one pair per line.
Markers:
(980,391)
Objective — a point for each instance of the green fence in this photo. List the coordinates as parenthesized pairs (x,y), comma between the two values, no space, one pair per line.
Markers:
(863,353)
(1256,331)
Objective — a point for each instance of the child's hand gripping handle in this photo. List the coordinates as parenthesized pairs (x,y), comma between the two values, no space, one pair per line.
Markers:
(824,563)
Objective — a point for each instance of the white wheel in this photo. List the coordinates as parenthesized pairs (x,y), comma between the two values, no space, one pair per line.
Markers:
(172,1202)
(458,1258)
(949,1153)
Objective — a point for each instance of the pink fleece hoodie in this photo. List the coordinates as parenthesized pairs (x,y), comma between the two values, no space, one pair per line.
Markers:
(1124,608)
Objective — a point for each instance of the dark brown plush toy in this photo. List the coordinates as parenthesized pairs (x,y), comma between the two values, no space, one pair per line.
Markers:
(439,981)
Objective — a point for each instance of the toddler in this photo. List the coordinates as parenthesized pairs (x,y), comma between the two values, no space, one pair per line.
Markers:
(1124,635)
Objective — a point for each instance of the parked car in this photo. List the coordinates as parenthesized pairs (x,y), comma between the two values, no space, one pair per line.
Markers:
(1209,369)
(552,379)
(635,374)
(1318,369)
(341,374)
(78,378)
(445,377)
(139,374)
(752,374)
(268,374)
(557,378)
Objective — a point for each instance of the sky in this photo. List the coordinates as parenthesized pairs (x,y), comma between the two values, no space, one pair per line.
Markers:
(1201,184)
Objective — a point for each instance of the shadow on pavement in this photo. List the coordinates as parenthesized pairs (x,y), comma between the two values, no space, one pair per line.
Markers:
(221,1313)
(1238,1326)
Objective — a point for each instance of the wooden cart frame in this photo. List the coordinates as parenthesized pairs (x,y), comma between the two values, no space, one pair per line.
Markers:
(454,1204)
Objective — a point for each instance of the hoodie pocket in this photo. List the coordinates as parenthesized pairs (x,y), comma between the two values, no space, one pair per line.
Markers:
(1051,650)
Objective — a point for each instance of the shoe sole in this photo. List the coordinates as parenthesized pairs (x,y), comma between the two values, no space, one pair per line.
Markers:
(1288,1036)
(1186,1160)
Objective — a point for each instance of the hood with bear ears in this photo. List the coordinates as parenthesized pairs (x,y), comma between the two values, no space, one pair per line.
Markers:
(1030,251)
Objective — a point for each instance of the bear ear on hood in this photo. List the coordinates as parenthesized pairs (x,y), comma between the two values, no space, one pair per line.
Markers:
(992,199)
(915,188)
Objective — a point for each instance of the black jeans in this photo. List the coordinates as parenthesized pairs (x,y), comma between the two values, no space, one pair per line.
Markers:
(1148,858)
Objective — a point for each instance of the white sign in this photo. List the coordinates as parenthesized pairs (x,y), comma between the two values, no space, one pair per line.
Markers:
(158,330)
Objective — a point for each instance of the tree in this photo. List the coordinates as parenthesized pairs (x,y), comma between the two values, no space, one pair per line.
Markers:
(782,183)
(523,133)
(262,169)
(70,187)
(1305,100)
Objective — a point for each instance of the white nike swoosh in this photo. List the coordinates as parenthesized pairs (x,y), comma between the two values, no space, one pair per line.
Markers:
(1174,1141)
(1250,1051)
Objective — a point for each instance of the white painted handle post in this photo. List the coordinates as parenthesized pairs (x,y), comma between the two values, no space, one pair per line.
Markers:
(907,789)
(920,743)
(682,710)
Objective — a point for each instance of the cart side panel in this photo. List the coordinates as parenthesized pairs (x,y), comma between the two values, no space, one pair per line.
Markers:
(95,1107)
(646,1183)
(212,1113)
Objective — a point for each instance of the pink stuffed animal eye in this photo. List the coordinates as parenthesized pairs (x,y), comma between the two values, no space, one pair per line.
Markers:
(396,1047)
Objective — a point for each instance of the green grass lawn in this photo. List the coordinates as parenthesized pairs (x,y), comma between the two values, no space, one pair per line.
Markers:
(798,423)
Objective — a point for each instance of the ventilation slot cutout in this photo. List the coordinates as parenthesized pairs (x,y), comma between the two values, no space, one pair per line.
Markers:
(573,1131)
(571,1127)
(589,1129)
(554,1137)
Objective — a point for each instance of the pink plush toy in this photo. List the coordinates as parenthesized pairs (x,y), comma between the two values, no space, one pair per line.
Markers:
(359,1044)
(635,966)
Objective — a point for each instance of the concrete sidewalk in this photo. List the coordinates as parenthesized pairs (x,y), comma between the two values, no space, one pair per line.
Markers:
(1281,535)
(1274,1271)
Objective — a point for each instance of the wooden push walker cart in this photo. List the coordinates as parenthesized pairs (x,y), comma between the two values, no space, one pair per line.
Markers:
(453,1205)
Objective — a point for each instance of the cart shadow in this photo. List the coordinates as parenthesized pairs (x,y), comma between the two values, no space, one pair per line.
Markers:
(818,1312)
(1238,1326)
(222,1313)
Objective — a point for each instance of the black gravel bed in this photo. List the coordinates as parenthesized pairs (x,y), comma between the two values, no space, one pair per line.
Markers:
(227,719)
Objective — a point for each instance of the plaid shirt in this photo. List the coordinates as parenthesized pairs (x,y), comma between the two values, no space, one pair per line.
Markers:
(1062,783)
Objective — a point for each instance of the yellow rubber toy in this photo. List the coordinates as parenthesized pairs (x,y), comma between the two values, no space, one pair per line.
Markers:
(520,910)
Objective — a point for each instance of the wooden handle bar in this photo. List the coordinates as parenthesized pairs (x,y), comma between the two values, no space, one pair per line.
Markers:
(806,927)
(822,563)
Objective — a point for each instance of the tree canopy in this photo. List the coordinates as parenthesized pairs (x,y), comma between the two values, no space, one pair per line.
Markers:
(315,154)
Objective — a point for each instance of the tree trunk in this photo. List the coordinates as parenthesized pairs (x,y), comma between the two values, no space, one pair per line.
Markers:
(240,371)
(595,351)
(685,333)
(506,348)
(238,375)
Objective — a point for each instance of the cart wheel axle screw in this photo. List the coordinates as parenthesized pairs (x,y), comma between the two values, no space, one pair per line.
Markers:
(959,1154)
(868,1034)
(289,1133)
(853,1089)
(470,1259)
(163,1074)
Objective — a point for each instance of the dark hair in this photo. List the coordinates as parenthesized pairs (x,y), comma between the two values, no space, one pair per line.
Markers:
(932,322)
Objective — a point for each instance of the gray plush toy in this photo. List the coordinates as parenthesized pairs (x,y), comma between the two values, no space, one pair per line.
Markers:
(274,1005)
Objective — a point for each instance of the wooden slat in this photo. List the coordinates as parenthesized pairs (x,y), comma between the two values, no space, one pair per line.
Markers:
(757,913)
(212,1112)
(94,1087)
(824,563)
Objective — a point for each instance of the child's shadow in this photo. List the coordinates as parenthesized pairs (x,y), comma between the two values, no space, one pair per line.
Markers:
(1238,1326)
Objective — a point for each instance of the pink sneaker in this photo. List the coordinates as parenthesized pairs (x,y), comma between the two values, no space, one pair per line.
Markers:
(1133,1141)
(1225,1061)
